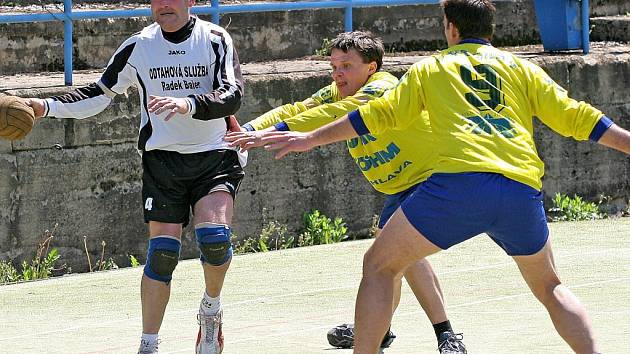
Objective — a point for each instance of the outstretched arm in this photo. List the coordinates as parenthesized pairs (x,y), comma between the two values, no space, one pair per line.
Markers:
(286,142)
(92,99)
(617,138)
(79,103)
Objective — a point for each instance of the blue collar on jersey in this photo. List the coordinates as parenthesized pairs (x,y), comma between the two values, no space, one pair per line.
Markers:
(475,41)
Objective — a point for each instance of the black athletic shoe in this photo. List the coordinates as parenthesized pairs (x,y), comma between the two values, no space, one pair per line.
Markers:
(343,337)
(451,343)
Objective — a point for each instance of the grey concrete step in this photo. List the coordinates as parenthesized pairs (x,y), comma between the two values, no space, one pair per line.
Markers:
(257,37)
(609,7)
(611,28)
(38,47)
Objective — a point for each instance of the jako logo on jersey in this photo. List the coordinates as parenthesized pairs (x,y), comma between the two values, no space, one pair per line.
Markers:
(176,52)
(378,158)
(148,204)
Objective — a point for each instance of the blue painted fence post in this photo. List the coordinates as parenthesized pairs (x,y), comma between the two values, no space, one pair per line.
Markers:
(586,47)
(215,15)
(348,17)
(67,41)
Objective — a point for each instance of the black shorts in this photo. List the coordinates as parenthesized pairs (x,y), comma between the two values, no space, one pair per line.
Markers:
(172,182)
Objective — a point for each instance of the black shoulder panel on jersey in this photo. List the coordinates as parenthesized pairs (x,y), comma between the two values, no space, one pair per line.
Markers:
(147,130)
(110,76)
(82,93)
(217,55)
(216,104)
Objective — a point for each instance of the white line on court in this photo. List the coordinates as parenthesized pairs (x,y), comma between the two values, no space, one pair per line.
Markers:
(316,291)
(533,312)
(415,312)
(506,297)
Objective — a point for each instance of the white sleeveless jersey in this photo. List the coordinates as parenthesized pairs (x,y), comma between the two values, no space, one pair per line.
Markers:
(204,68)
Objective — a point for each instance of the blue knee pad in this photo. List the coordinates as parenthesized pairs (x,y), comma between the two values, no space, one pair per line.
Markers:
(214,243)
(162,258)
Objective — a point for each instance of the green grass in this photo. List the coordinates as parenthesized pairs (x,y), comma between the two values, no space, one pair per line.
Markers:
(284,302)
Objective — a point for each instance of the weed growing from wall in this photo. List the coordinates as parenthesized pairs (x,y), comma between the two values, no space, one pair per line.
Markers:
(574,209)
(324,49)
(321,230)
(317,229)
(40,267)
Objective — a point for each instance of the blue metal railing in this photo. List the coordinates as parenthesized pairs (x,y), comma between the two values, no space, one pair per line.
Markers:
(68,16)
(586,45)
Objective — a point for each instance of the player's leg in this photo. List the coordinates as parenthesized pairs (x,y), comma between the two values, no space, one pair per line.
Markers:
(425,286)
(166,209)
(443,211)
(521,230)
(155,288)
(567,313)
(399,246)
(213,209)
(213,213)
(213,217)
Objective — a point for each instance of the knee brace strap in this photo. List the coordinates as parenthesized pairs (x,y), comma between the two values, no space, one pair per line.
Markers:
(162,258)
(214,243)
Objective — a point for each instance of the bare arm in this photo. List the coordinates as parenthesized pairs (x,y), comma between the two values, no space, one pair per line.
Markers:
(286,142)
(338,130)
(617,138)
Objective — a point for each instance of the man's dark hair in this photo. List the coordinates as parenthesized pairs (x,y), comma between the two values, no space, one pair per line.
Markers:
(369,46)
(473,18)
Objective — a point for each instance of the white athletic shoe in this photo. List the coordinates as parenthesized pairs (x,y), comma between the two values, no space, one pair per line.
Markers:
(210,337)
(147,347)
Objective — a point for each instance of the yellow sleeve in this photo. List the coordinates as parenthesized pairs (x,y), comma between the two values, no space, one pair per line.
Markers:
(552,105)
(284,112)
(329,112)
(398,108)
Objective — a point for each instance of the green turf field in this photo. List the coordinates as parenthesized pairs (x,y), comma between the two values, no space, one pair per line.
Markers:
(284,302)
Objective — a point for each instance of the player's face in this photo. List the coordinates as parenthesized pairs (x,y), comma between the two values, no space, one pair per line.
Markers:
(349,71)
(171,15)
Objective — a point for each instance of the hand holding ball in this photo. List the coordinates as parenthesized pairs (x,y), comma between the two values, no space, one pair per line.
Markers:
(16,118)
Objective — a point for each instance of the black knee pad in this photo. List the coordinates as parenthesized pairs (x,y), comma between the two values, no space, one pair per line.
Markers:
(162,258)
(214,243)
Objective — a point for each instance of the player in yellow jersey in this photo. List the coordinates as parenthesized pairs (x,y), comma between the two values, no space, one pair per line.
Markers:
(487,177)
(386,160)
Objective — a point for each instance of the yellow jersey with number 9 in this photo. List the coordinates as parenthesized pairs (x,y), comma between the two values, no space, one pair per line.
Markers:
(481,102)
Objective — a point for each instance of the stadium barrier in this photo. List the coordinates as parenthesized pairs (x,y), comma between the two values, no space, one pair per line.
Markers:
(215,9)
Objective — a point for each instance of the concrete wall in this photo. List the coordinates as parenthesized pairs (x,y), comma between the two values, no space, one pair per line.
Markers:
(275,35)
(611,28)
(258,36)
(609,7)
(92,186)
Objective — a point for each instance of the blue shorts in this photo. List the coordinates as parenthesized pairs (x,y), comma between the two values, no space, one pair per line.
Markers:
(392,202)
(450,208)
